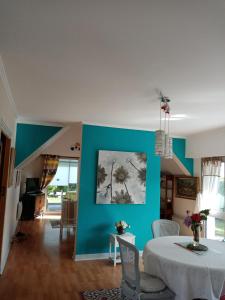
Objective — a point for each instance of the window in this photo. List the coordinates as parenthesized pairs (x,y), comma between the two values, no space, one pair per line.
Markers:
(221,189)
(219,217)
(64,184)
(216,221)
(66,174)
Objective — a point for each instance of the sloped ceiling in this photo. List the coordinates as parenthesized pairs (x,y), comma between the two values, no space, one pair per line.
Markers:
(170,166)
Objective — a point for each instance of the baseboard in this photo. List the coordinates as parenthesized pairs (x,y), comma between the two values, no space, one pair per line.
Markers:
(96,256)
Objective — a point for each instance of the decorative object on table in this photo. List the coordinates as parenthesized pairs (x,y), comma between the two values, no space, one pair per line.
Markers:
(121,227)
(195,222)
(121,177)
(11,166)
(186,187)
(199,250)
(163,141)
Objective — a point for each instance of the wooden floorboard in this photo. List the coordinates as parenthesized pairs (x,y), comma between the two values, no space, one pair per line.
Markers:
(41,267)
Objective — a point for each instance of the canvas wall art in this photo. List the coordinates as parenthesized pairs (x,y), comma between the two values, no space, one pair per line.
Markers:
(186,187)
(121,177)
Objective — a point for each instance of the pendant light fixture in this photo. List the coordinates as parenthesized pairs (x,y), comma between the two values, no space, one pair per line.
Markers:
(163,141)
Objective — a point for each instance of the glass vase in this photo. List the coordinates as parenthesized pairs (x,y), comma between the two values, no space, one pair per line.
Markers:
(196,236)
(120,230)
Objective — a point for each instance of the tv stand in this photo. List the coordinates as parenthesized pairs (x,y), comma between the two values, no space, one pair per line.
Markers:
(33,205)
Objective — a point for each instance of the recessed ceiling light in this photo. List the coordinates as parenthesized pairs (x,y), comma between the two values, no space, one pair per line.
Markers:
(178,117)
(181,116)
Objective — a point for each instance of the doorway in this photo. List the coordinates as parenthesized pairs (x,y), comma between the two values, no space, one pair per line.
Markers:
(4,168)
(63,185)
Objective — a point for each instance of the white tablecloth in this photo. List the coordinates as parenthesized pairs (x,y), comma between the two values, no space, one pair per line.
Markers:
(187,274)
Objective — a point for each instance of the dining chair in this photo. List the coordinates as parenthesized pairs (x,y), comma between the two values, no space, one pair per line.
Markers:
(136,285)
(165,228)
(68,215)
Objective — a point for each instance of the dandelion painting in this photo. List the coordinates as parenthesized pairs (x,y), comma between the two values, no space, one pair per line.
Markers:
(121,177)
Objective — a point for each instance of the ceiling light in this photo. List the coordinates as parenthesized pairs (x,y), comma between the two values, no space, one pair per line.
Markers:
(163,142)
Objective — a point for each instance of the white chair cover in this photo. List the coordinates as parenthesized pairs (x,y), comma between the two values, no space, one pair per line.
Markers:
(165,228)
(138,285)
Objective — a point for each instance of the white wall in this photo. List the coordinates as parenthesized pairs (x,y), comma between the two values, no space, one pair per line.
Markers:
(32,170)
(8,115)
(180,206)
(206,144)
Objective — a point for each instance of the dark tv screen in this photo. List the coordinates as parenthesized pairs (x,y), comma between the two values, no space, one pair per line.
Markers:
(32,185)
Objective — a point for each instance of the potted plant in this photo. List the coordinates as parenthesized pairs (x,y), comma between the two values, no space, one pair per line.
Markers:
(195,222)
(121,226)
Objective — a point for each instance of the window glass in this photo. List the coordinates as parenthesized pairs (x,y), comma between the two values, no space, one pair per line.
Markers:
(219,219)
(221,193)
(219,228)
(66,174)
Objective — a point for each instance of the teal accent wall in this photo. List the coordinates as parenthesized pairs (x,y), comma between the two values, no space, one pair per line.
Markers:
(179,148)
(96,221)
(30,137)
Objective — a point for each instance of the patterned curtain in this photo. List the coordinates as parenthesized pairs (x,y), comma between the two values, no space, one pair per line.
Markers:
(49,170)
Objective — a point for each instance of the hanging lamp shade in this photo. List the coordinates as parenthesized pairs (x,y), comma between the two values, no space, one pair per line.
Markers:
(160,142)
(168,147)
(163,141)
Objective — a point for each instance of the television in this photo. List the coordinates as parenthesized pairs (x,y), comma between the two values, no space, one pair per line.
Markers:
(32,185)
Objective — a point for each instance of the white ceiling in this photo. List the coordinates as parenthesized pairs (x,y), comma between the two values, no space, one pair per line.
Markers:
(102,61)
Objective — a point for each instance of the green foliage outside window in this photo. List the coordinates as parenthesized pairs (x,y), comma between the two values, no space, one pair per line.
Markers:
(53,189)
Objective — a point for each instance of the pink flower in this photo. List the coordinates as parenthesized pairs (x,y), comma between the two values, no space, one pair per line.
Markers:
(188,221)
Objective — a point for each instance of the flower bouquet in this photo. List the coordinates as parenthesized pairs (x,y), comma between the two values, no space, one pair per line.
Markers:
(195,222)
(121,226)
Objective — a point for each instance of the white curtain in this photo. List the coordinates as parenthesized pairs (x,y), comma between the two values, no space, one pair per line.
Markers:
(210,197)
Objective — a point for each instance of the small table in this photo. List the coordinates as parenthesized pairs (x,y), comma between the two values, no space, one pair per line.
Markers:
(128,236)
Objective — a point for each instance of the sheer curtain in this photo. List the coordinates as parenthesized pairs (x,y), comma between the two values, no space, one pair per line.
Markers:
(211,169)
(210,197)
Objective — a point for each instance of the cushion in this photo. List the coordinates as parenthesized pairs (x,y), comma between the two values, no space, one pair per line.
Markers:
(151,284)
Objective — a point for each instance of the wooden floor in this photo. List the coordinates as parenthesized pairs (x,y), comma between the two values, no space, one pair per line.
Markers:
(41,267)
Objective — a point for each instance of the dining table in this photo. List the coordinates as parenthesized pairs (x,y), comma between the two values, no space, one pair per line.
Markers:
(189,274)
